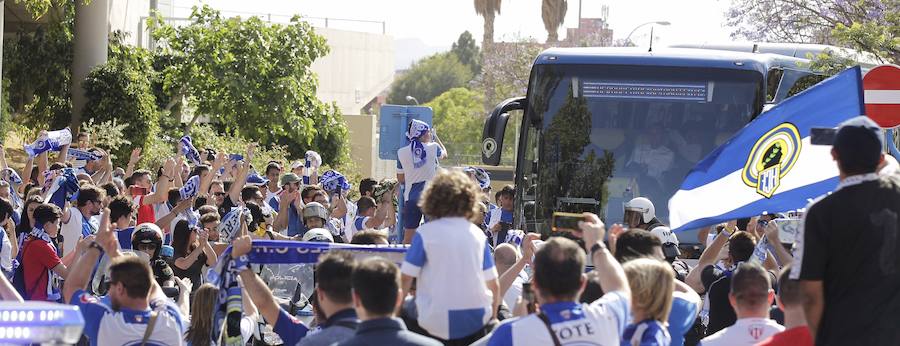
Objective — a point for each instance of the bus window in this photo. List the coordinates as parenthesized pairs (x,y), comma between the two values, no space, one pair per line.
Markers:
(772,81)
(804,83)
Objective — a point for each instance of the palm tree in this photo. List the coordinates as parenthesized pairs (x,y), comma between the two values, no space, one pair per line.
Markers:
(487,9)
(554,13)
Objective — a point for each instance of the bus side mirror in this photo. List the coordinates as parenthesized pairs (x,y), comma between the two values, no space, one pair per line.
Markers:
(495,128)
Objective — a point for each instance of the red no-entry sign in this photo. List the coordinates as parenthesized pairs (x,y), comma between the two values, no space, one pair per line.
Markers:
(882,95)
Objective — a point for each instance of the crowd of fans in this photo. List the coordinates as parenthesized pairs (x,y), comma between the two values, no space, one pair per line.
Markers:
(130,248)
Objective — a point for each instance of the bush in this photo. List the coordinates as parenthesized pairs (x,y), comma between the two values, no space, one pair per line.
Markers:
(118,91)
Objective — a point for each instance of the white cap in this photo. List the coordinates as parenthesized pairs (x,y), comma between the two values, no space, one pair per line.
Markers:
(319,235)
(296,164)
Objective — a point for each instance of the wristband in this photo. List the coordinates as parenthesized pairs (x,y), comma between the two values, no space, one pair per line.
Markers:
(597,247)
(94,245)
(240,264)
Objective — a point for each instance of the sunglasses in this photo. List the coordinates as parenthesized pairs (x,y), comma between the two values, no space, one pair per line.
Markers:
(219,194)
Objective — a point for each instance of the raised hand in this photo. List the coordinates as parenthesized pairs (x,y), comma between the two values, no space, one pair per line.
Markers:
(591,229)
(528,245)
(241,246)
(169,168)
(135,156)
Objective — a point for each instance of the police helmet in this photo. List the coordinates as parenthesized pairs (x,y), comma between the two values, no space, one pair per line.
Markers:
(147,233)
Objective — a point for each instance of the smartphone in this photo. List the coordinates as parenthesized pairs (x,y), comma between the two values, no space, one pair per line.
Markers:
(565,221)
(528,297)
(138,191)
(787,229)
(822,136)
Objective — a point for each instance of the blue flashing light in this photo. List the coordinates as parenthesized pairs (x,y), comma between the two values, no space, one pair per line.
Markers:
(39,322)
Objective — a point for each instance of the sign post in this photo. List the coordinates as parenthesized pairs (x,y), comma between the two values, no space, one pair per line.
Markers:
(394,120)
(882,95)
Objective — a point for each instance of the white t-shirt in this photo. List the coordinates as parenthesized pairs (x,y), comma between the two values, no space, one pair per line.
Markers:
(5,252)
(746,331)
(452,261)
(72,230)
(599,323)
(348,219)
(424,173)
(515,290)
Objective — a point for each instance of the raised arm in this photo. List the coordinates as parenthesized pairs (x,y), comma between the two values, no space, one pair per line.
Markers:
(611,275)
(63,153)
(254,286)
(132,161)
(781,253)
(509,276)
(80,274)
(162,188)
(707,258)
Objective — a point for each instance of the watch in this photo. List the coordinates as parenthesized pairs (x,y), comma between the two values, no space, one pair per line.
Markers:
(597,247)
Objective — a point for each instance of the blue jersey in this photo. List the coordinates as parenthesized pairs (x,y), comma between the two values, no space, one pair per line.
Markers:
(645,333)
(105,326)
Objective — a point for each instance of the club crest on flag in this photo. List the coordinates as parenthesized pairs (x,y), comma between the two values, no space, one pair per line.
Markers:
(771,158)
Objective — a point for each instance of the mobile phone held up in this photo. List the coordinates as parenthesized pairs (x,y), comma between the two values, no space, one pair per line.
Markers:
(528,297)
(563,222)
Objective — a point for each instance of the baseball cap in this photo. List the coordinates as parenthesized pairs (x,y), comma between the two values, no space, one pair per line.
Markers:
(297,164)
(319,235)
(255,179)
(858,141)
(289,178)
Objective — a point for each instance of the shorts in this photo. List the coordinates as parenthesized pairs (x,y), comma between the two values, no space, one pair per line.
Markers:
(412,214)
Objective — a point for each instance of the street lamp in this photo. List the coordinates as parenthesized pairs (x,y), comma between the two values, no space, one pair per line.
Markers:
(662,22)
(412,99)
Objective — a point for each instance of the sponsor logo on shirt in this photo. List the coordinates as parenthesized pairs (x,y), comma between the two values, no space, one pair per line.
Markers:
(755,331)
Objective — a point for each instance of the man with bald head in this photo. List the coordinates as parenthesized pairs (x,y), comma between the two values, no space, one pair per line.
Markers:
(505,256)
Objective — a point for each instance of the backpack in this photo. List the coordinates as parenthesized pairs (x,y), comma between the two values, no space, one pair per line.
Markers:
(18,280)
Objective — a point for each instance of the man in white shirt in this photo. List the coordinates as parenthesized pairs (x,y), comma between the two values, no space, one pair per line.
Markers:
(505,256)
(557,283)
(751,296)
(417,164)
(76,221)
(371,215)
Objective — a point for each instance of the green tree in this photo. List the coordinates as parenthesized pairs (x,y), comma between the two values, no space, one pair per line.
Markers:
(871,26)
(430,77)
(467,52)
(252,79)
(121,90)
(459,120)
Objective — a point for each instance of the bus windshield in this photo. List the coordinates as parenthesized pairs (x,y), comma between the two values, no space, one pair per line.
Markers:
(604,134)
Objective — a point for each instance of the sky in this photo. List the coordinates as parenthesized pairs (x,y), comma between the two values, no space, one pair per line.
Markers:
(439,22)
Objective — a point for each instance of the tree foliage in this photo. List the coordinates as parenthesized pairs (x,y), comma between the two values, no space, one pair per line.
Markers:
(459,120)
(467,51)
(252,79)
(430,77)
(871,26)
(506,68)
(488,9)
(120,90)
(553,12)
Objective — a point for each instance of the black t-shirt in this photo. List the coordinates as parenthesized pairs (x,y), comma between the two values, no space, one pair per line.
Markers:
(850,242)
(718,284)
(193,272)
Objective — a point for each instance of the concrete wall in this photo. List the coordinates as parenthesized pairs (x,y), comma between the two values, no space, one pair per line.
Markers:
(359,66)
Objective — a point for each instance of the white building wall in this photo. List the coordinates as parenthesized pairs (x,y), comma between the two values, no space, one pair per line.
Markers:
(359,66)
(126,15)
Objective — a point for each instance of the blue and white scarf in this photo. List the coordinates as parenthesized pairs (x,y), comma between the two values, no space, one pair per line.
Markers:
(189,151)
(333,181)
(231,224)
(83,155)
(190,188)
(53,141)
(417,128)
(60,186)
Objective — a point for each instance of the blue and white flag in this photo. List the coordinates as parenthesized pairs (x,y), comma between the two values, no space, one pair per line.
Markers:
(52,141)
(83,155)
(770,166)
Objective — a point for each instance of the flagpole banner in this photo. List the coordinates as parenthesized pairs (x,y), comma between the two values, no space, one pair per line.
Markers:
(770,166)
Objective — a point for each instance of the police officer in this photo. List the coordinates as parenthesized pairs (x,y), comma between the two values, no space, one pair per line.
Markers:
(640,213)
(147,238)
